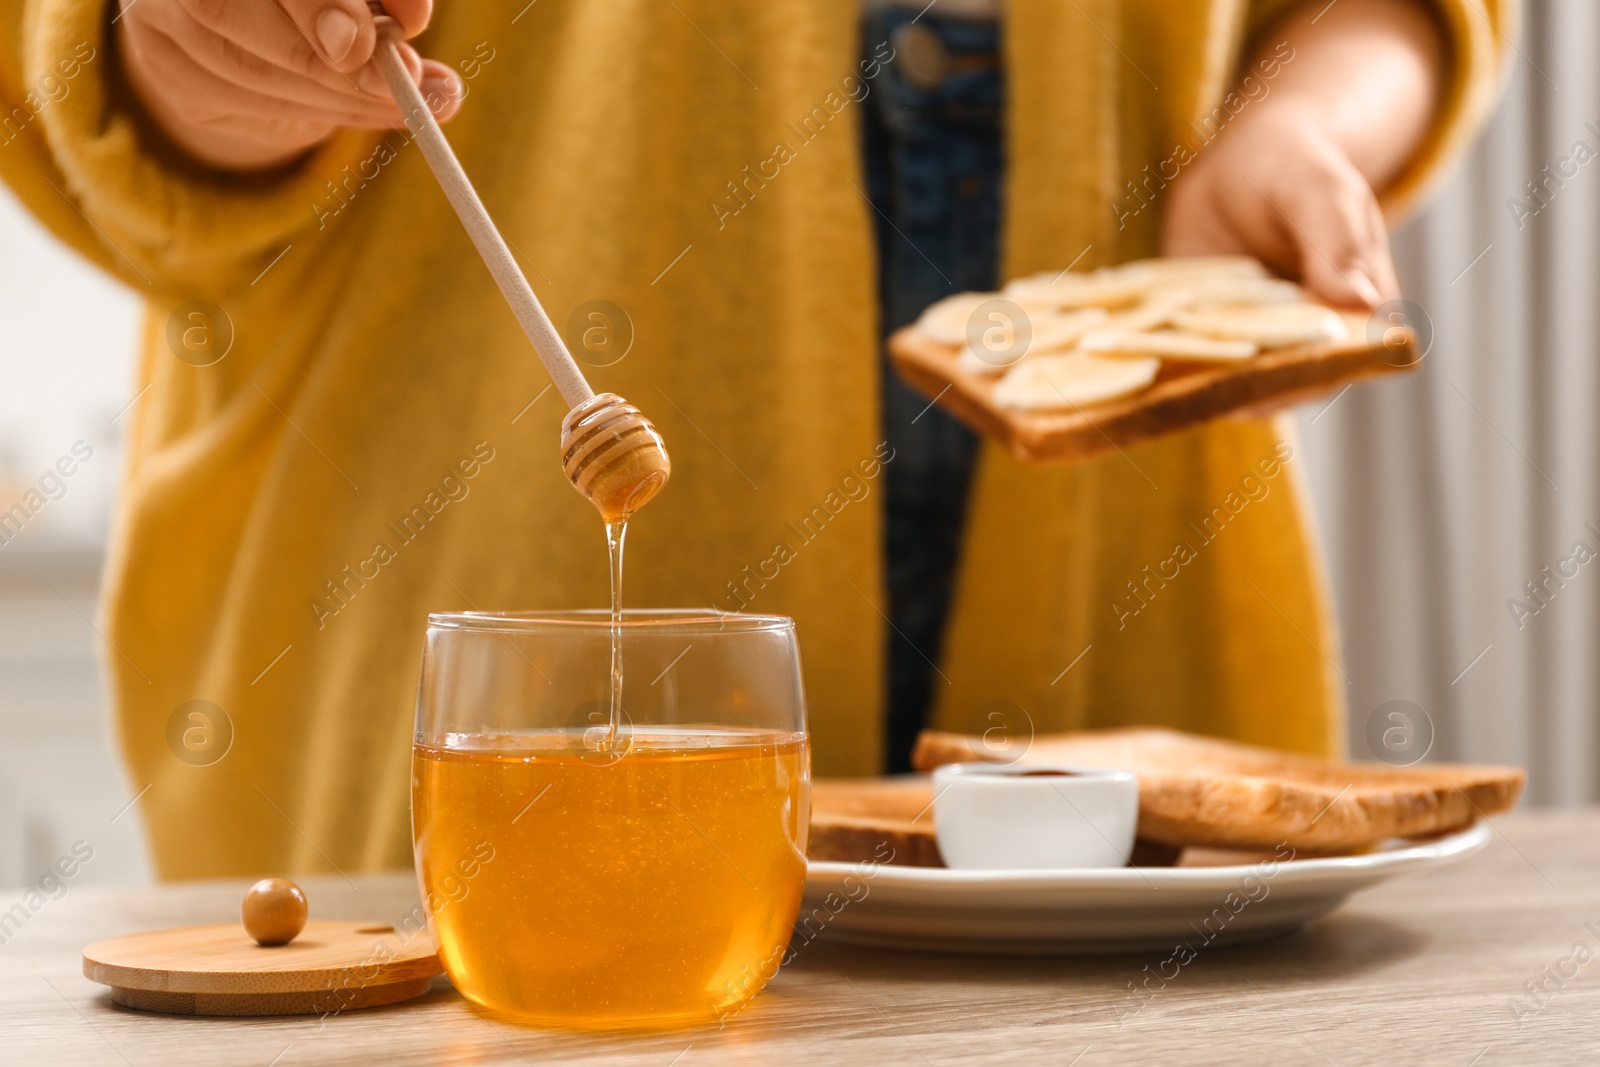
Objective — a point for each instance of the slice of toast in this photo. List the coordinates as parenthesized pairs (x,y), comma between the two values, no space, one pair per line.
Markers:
(1201,791)
(1184,395)
(867,820)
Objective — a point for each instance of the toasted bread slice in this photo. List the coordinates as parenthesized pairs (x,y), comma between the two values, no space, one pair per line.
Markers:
(866,820)
(1184,395)
(1201,791)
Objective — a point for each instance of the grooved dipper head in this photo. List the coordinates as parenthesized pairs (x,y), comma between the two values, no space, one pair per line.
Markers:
(613,455)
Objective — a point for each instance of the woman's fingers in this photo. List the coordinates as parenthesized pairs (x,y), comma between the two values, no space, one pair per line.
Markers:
(341,31)
(412,15)
(1340,257)
(1276,187)
(220,102)
(228,61)
(441,88)
(1385,275)
(263,29)
(246,84)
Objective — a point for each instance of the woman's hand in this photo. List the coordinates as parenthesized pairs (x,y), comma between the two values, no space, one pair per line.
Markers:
(249,84)
(1276,187)
(1290,179)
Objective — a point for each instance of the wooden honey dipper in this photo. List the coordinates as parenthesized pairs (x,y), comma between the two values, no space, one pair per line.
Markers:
(609,451)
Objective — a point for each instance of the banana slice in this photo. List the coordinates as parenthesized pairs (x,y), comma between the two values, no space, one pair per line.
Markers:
(1057,331)
(1169,268)
(1108,290)
(1169,344)
(1051,331)
(1205,292)
(1156,311)
(1044,290)
(1270,326)
(1196,280)
(946,320)
(1102,288)
(1050,383)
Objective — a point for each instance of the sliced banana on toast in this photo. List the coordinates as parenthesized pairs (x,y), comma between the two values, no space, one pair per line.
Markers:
(946,321)
(1167,268)
(1208,292)
(1065,339)
(950,321)
(1270,326)
(1049,331)
(1168,344)
(1072,380)
(1155,312)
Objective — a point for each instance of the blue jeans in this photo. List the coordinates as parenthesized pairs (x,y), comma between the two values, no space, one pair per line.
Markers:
(934,169)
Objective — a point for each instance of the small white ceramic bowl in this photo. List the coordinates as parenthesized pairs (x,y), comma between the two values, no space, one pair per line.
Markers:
(1008,817)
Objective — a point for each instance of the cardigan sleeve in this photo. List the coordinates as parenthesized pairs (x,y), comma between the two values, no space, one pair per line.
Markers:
(1479,35)
(80,154)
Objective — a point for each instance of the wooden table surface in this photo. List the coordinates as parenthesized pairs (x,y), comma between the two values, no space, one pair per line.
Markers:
(1479,964)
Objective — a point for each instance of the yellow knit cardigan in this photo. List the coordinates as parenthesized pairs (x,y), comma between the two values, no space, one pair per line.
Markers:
(373,364)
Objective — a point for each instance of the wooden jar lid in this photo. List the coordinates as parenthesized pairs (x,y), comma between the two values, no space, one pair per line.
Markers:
(219,970)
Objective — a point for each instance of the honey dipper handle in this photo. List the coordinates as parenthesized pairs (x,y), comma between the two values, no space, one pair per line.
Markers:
(569,380)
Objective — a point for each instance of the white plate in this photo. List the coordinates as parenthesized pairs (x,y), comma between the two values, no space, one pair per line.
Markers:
(1091,911)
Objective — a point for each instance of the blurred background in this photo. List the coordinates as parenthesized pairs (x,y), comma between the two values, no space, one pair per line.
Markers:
(1441,496)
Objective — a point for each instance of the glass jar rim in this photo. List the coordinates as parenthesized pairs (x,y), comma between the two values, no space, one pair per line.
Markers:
(634,620)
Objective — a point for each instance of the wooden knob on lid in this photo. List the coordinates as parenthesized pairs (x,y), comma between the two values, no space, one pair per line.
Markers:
(613,455)
(274,911)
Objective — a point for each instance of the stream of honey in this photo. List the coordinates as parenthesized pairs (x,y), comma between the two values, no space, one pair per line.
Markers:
(655,890)
(616,534)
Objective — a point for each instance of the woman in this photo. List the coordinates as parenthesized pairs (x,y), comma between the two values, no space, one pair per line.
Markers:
(353,433)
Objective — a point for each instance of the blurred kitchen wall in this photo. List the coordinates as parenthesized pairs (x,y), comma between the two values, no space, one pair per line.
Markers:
(1440,495)
(1443,496)
(66,368)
